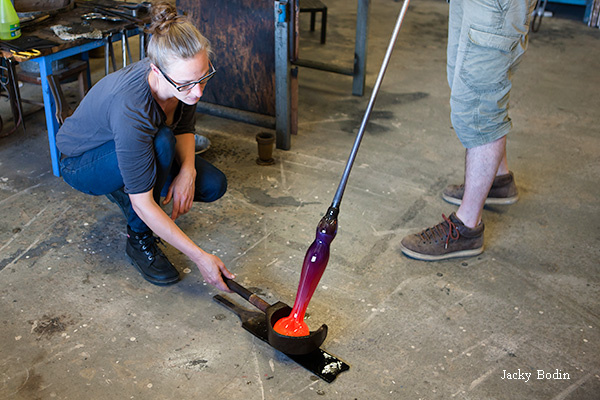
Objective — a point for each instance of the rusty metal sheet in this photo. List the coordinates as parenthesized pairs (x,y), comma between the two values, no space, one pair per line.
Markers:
(242,37)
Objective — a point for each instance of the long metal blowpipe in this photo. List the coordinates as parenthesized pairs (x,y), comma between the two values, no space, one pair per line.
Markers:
(337,199)
(317,256)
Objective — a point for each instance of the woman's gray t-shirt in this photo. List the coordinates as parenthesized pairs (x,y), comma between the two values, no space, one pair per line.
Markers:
(120,108)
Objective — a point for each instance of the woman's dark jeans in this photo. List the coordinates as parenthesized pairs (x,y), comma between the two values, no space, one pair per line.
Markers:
(96,172)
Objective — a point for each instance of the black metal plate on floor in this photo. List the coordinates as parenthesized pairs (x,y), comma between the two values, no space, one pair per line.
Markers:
(321,363)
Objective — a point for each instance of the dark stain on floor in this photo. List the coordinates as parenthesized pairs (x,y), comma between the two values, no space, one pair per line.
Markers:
(260,197)
(49,326)
(378,117)
(373,127)
(35,253)
(30,389)
(400,98)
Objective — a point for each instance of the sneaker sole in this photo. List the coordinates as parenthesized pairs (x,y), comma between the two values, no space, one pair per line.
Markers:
(202,150)
(428,257)
(491,201)
(152,280)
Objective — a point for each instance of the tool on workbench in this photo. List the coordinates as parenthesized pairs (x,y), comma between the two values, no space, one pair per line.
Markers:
(137,7)
(26,43)
(317,255)
(114,9)
(303,350)
(95,15)
(32,20)
(123,5)
(119,14)
(31,53)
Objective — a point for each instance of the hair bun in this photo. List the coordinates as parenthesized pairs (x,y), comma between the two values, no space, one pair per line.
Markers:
(163,15)
(173,36)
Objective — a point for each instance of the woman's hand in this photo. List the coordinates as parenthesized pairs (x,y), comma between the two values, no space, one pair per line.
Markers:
(181,191)
(213,269)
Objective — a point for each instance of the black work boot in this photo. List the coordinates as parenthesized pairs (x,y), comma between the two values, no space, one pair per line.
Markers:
(149,260)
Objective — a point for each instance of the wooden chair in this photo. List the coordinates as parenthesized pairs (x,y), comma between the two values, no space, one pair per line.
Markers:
(75,68)
(63,109)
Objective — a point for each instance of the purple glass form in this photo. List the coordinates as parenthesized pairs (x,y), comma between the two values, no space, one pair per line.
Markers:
(315,262)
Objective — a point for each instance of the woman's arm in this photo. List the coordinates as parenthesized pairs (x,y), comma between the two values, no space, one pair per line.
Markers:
(211,267)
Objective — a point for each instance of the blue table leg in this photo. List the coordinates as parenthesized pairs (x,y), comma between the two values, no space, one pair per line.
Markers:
(45,63)
(85,56)
(50,111)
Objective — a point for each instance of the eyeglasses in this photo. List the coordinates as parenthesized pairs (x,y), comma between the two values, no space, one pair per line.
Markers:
(190,85)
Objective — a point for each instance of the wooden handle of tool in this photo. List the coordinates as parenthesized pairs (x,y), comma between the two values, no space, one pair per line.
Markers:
(246,294)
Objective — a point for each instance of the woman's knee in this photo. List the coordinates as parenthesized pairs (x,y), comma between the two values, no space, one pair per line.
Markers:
(211,187)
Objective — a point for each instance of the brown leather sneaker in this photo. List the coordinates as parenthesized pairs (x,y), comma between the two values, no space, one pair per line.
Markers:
(448,239)
(502,192)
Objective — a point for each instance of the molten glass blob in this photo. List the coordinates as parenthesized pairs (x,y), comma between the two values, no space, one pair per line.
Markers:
(313,267)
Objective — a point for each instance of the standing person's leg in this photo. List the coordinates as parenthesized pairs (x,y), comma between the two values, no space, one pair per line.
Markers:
(491,39)
(455,21)
(503,190)
(481,166)
(490,51)
(493,34)
(472,158)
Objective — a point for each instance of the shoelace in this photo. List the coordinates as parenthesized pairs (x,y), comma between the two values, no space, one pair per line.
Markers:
(439,230)
(149,246)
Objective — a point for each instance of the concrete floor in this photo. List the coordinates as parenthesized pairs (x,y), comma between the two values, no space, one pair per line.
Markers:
(78,321)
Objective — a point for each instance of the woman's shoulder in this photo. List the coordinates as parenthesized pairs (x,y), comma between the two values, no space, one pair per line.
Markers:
(129,86)
(132,78)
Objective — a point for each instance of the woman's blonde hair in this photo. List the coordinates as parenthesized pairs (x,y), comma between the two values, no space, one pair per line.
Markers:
(173,37)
